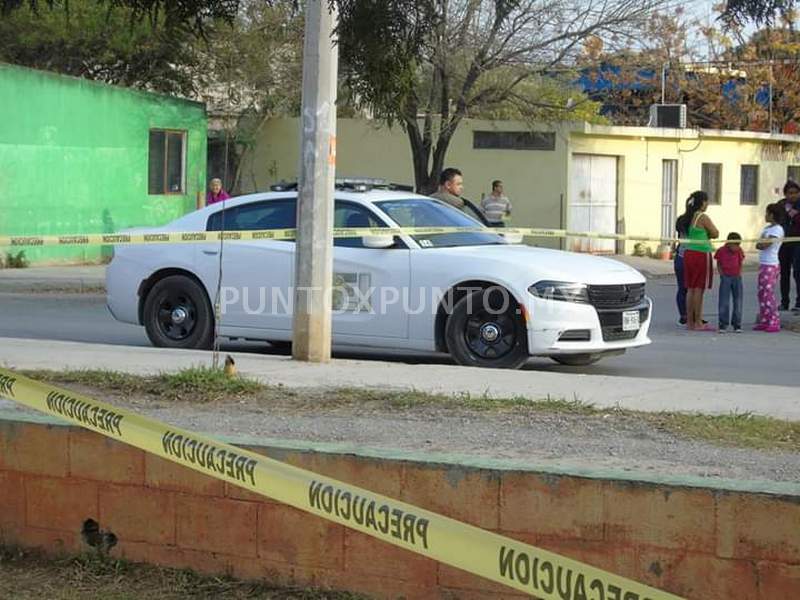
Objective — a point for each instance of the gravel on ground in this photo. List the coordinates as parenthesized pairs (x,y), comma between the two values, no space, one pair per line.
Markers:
(604,441)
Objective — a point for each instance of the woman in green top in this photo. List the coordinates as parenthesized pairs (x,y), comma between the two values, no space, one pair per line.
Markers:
(698,268)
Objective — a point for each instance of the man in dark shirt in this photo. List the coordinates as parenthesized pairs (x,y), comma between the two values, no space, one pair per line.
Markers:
(789,254)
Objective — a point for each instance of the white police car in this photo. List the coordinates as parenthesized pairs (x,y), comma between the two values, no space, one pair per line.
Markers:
(486,301)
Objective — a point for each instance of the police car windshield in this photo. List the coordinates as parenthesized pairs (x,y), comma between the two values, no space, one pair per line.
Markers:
(419,212)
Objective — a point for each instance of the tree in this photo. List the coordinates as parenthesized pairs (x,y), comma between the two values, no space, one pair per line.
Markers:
(244,65)
(627,81)
(732,82)
(252,67)
(137,43)
(429,65)
(761,12)
(174,14)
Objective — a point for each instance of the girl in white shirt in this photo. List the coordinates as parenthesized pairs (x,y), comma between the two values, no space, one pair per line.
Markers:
(768,272)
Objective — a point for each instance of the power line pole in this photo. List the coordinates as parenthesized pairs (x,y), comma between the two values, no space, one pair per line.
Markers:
(314,246)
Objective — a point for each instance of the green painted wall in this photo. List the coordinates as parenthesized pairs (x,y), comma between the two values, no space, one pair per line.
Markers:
(74,158)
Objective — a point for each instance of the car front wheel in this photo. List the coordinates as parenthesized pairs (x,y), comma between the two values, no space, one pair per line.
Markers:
(486,329)
(177,314)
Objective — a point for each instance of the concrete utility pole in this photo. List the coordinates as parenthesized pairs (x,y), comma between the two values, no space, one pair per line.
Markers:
(314,247)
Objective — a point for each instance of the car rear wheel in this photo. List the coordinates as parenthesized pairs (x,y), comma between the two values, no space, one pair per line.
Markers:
(486,329)
(177,314)
(577,360)
(281,345)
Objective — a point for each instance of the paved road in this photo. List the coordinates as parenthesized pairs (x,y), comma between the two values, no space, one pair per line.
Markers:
(749,357)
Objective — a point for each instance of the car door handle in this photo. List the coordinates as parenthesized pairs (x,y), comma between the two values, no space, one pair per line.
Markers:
(211,252)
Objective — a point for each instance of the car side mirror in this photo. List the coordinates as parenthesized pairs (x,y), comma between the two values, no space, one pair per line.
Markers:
(512,238)
(378,241)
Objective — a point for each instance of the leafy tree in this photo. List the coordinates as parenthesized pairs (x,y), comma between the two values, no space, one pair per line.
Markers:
(251,69)
(139,44)
(725,86)
(761,12)
(173,14)
(429,65)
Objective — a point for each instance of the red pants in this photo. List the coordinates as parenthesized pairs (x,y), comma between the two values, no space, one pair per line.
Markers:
(698,272)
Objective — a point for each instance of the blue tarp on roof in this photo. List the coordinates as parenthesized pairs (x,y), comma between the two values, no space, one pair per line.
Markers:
(596,81)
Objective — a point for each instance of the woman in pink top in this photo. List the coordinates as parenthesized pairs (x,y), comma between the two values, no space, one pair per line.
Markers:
(215,192)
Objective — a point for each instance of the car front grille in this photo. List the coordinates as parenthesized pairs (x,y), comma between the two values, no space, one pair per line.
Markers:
(616,296)
(611,324)
(615,334)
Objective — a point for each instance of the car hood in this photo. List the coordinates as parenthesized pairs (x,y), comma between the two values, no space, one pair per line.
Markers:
(540,264)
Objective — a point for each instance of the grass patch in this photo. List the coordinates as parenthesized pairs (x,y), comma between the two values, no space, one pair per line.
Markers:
(196,384)
(209,384)
(738,429)
(411,399)
(202,385)
(30,575)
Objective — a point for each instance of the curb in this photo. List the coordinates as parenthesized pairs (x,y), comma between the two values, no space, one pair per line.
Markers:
(44,287)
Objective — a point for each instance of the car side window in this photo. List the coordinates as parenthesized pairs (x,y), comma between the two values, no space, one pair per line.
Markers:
(351,215)
(268,214)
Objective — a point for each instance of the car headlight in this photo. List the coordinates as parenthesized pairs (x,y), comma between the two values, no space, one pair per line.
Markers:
(560,290)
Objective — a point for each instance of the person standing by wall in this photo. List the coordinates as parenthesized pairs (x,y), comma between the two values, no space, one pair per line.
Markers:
(215,192)
(682,229)
(789,254)
(699,273)
(496,206)
(769,319)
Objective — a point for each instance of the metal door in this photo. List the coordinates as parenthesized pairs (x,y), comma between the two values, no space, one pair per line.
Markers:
(669,197)
(593,201)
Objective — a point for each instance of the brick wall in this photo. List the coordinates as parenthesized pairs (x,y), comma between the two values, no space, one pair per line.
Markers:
(696,542)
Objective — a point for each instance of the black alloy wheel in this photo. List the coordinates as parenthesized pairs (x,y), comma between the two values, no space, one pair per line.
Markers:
(486,329)
(177,314)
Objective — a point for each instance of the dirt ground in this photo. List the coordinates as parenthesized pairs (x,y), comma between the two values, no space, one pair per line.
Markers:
(553,436)
(29,575)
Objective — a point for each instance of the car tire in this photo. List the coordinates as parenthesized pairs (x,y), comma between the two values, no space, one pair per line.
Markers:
(178,314)
(486,329)
(577,360)
(281,345)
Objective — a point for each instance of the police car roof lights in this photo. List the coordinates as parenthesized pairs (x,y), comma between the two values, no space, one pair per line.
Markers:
(352,184)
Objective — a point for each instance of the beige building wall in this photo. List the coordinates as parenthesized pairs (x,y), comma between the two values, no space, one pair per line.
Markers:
(642,151)
(535,180)
(538,181)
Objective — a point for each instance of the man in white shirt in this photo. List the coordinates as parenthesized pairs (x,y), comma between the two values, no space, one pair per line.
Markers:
(496,206)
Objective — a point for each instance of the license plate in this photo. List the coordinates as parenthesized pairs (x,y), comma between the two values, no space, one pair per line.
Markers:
(630,320)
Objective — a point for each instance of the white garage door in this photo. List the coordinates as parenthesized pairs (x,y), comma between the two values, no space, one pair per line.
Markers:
(593,201)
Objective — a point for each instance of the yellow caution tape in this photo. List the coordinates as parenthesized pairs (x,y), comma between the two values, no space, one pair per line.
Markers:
(177,237)
(520,566)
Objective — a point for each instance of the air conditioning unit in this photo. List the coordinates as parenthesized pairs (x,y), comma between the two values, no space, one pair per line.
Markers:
(668,115)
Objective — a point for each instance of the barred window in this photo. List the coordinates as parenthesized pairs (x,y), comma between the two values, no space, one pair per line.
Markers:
(166,162)
(513,140)
(748,192)
(711,181)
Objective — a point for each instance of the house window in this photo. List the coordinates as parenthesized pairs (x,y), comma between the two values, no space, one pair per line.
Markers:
(166,162)
(793,173)
(513,140)
(748,191)
(711,181)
